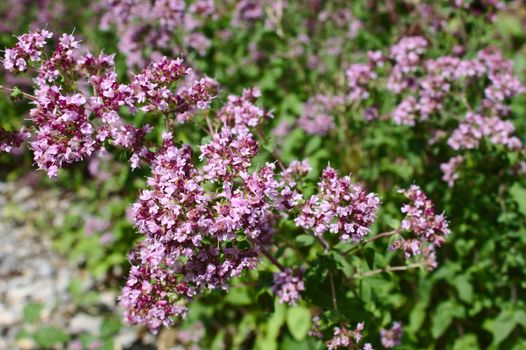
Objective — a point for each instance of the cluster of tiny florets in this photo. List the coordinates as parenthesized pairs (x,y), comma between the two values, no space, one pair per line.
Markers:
(340,207)
(317,117)
(10,140)
(450,170)
(391,337)
(344,338)
(70,127)
(476,127)
(429,229)
(288,286)
(240,112)
(28,48)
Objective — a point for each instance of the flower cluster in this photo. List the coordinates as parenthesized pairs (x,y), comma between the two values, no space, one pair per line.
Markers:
(28,48)
(227,155)
(192,216)
(40,12)
(430,229)
(440,77)
(70,127)
(317,116)
(187,227)
(154,88)
(450,170)
(288,286)
(340,207)
(240,113)
(12,139)
(425,86)
(391,337)
(142,23)
(358,77)
(476,127)
(406,54)
(152,293)
(64,133)
(344,338)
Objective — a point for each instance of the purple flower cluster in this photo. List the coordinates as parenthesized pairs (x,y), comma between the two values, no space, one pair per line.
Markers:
(71,127)
(358,77)
(64,133)
(440,77)
(28,48)
(142,23)
(317,118)
(154,88)
(228,155)
(288,286)
(407,56)
(240,113)
(406,113)
(344,338)
(391,337)
(187,228)
(476,127)
(40,12)
(340,207)
(193,216)
(12,139)
(152,294)
(430,229)
(421,218)
(450,170)
(247,11)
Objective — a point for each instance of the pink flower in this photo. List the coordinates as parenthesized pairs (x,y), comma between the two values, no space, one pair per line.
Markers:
(288,286)
(340,207)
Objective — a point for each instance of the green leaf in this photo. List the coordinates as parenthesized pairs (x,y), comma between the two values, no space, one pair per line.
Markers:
(417,317)
(299,322)
(16,94)
(305,240)
(31,312)
(247,325)
(520,317)
(238,296)
(268,341)
(519,195)
(49,336)
(501,326)
(443,316)
(467,342)
(464,288)
(313,145)
(509,24)
(110,327)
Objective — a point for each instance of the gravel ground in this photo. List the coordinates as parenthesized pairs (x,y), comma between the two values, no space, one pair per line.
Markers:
(32,272)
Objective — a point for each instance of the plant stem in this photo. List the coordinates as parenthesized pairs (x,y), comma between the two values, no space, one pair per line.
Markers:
(389,269)
(272,151)
(378,236)
(267,254)
(333,292)
(324,243)
(10,91)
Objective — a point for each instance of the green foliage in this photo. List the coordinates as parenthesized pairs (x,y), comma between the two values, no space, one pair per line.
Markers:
(49,336)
